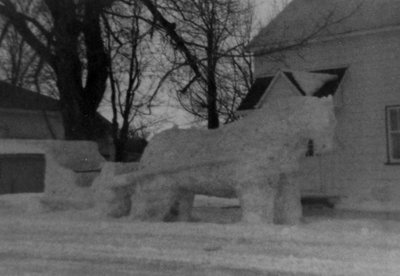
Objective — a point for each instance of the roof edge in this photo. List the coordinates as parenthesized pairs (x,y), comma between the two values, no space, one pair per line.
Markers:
(292,44)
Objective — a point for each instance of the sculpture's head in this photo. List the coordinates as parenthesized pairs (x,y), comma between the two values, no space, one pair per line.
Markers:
(321,124)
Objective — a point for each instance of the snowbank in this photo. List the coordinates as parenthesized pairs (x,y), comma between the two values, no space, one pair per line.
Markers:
(71,244)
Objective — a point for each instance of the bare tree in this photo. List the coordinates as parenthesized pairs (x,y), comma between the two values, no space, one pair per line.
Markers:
(213,32)
(129,45)
(67,36)
(20,65)
(67,39)
(17,59)
(176,18)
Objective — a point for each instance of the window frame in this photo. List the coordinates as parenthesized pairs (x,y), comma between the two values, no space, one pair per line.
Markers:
(390,159)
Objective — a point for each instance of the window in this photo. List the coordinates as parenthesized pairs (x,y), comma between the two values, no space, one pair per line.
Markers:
(393,133)
(310,148)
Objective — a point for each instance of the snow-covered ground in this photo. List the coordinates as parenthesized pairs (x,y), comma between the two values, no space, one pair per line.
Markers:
(38,241)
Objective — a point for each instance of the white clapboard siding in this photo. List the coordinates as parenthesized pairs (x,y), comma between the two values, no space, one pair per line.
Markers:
(357,170)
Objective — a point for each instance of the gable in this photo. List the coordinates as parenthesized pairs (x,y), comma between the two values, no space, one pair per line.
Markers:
(280,87)
(315,19)
(285,84)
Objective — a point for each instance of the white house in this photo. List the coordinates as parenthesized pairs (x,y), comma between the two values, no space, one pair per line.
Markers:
(349,49)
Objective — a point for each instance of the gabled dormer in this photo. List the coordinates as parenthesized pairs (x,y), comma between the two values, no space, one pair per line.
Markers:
(287,83)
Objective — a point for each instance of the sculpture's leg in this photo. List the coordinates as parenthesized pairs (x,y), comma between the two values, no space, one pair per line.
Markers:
(119,204)
(185,206)
(181,209)
(288,209)
(153,199)
(257,201)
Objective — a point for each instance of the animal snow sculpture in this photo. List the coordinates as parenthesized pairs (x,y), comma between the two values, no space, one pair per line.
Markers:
(244,159)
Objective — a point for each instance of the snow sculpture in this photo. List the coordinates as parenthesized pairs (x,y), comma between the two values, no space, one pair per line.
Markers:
(246,159)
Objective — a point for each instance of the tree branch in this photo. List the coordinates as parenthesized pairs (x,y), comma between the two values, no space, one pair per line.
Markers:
(179,42)
(19,22)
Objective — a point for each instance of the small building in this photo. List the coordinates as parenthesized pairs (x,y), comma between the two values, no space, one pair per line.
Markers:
(29,116)
(348,49)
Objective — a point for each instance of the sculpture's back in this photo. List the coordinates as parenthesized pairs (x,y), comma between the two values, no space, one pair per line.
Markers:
(261,135)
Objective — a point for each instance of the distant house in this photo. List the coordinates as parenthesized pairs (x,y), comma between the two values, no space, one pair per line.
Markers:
(28,115)
(352,53)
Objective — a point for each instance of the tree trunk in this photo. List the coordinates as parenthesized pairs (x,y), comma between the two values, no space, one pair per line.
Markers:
(120,150)
(79,123)
(212,111)
(97,67)
(120,141)
(68,68)
(73,119)
(79,104)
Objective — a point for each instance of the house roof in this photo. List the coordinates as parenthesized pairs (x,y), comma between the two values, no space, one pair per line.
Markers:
(315,19)
(19,98)
(261,85)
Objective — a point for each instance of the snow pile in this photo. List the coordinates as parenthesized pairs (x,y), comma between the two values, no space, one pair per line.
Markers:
(244,159)
(70,168)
